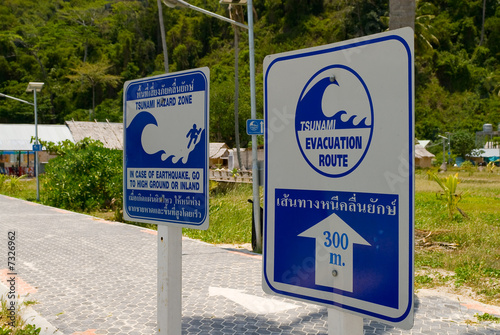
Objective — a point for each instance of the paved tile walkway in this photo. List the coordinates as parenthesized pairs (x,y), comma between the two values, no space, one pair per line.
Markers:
(91,276)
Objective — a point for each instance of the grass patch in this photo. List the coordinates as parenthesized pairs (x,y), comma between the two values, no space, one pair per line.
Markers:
(230,215)
(467,248)
(11,321)
(487,317)
(22,188)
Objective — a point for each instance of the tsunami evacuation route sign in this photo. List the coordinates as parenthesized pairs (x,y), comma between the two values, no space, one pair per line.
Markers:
(165,170)
(339,176)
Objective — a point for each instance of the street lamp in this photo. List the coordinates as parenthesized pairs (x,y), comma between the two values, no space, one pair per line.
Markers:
(169,254)
(36,87)
(449,147)
(17,99)
(444,148)
(184,4)
(253,112)
(255,170)
(163,39)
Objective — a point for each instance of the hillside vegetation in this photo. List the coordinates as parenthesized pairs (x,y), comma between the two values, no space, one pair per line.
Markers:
(84,50)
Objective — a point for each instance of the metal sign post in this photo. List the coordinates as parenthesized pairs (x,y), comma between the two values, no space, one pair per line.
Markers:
(169,278)
(341,323)
(165,171)
(338,189)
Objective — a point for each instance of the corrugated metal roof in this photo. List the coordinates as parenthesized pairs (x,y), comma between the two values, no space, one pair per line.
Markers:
(487,152)
(17,137)
(109,133)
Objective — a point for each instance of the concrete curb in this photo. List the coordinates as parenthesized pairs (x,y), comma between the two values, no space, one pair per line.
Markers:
(30,316)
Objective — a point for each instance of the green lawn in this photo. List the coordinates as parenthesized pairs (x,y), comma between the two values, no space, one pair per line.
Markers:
(466,248)
(230,215)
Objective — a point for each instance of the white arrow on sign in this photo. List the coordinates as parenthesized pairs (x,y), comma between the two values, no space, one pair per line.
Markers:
(257,305)
(334,252)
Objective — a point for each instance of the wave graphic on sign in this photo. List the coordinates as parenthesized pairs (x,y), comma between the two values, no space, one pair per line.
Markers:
(141,145)
(310,109)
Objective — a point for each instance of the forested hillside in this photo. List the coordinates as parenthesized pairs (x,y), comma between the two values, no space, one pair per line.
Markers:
(84,50)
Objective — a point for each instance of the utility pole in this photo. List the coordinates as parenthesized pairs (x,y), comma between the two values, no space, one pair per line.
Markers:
(163,39)
(444,148)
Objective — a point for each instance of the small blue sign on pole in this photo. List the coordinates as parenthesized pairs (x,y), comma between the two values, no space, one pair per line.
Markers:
(255,127)
(37,147)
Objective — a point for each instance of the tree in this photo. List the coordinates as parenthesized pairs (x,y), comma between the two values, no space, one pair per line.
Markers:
(221,110)
(482,23)
(85,20)
(93,74)
(424,30)
(457,82)
(463,142)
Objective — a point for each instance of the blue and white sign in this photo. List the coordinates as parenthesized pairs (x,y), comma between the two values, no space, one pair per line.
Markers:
(166,149)
(339,176)
(37,147)
(255,127)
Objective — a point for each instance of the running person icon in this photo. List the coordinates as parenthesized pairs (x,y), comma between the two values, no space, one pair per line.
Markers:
(193,134)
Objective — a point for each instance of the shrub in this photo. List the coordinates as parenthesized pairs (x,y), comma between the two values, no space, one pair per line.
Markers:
(468,167)
(14,184)
(3,178)
(86,176)
(10,185)
(450,196)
